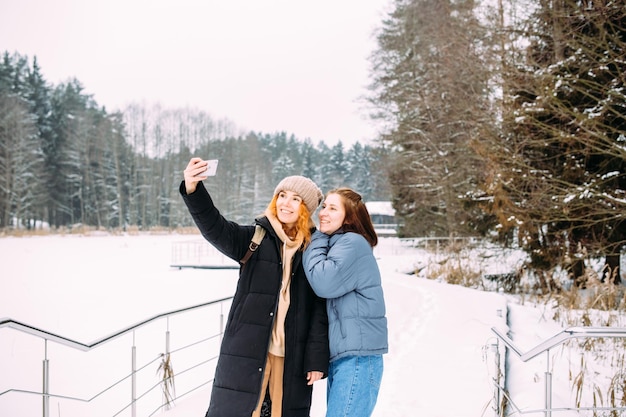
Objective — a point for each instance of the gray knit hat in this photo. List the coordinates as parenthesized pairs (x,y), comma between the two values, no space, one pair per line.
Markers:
(305,188)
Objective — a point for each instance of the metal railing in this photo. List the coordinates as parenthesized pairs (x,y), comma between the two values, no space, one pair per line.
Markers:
(48,336)
(199,253)
(545,347)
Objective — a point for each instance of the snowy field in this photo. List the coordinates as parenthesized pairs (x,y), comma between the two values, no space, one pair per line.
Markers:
(441,360)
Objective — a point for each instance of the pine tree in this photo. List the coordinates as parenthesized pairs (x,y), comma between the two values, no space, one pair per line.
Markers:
(431,85)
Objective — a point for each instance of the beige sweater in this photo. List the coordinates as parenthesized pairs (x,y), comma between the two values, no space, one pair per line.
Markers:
(289,248)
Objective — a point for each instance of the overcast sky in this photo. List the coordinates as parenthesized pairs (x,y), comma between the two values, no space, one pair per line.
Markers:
(267,65)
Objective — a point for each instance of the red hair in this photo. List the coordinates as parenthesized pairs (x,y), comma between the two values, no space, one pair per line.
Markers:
(303,224)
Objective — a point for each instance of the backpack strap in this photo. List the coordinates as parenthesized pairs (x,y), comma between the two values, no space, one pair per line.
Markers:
(259,233)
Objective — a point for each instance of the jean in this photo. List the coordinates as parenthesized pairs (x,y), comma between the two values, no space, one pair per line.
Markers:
(352,386)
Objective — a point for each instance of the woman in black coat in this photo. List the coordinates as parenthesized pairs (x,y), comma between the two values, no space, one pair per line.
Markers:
(276,337)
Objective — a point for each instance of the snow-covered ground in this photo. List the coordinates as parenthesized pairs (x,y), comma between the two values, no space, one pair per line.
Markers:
(441,359)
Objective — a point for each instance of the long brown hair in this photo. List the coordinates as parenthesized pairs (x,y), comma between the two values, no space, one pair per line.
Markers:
(303,224)
(357,219)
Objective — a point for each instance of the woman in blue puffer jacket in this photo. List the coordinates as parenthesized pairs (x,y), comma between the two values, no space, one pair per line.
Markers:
(340,266)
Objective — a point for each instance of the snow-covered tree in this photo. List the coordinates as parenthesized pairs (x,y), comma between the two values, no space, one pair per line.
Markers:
(560,167)
(430,84)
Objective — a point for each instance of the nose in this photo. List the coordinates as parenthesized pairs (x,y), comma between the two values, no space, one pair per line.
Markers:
(283,202)
(292,203)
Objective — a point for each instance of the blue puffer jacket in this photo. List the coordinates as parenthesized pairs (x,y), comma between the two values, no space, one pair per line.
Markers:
(342,268)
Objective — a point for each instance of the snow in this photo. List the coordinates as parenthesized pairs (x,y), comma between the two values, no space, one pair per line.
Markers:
(442,349)
(380,207)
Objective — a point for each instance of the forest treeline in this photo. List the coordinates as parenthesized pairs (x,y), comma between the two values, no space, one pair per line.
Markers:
(504,119)
(66,161)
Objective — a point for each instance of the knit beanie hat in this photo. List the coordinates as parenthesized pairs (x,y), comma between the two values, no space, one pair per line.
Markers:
(305,188)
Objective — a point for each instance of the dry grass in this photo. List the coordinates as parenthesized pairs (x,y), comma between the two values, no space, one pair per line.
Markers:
(454,266)
(597,303)
(167,380)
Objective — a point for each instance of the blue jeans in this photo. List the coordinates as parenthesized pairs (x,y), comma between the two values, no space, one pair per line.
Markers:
(352,386)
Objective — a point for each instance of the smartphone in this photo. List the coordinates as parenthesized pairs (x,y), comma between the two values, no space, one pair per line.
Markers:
(211,168)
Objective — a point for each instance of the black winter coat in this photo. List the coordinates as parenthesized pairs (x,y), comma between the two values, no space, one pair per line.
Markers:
(239,372)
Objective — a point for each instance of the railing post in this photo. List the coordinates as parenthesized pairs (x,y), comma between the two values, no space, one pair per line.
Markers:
(133,379)
(221,319)
(167,376)
(548,392)
(167,336)
(46,382)
(496,348)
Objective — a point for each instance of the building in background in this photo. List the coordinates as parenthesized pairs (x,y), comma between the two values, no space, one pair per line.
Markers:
(384,217)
